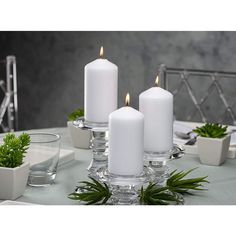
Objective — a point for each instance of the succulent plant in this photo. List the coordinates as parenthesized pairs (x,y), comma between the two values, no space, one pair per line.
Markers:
(75,114)
(210,130)
(13,150)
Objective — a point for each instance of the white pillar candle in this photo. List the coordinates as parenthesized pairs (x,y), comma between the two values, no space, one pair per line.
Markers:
(126,141)
(156,104)
(101,88)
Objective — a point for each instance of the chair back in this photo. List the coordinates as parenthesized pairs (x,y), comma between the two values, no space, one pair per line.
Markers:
(8,95)
(201,95)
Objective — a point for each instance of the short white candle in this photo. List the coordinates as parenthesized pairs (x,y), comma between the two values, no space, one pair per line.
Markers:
(101,88)
(156,104)
(126,141)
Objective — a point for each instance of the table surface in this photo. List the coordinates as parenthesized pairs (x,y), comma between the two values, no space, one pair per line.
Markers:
(221,189)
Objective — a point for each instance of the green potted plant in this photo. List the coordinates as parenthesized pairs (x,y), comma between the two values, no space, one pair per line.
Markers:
(80,138)
(212,143)
(13,170)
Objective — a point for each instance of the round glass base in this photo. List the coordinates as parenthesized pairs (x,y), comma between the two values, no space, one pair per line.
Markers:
(160,171)
(122,195)
(41,178)
(124,188)
(175,152)
(89,125)
(180,198)
(157,162)
(124,180)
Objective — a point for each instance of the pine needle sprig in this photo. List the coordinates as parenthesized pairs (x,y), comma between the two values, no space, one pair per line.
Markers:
(178,184)
(157,195)
(91,192)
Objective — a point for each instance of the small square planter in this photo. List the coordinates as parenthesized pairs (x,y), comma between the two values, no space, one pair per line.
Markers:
(80,138)
(213,151)
(13,181)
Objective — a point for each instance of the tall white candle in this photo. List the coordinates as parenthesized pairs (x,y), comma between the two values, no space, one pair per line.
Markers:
(101,88)
(157,106)
(126,142)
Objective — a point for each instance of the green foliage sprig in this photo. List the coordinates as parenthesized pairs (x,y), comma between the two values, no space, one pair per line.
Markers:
(13,150)
(177,183)
(75,114)
(211,130)
(156,195)
(98,193)
(91,192)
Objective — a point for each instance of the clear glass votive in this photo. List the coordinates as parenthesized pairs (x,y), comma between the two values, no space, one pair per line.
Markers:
(43,155)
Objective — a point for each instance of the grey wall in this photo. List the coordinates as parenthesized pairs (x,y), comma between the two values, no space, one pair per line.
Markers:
(50,65)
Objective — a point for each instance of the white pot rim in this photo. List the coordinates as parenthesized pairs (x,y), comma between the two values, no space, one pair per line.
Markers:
(226,136)
(70,121)
(22,165)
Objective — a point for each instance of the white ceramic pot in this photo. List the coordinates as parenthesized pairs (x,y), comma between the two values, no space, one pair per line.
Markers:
(13,181)
(80,138)
(213,151)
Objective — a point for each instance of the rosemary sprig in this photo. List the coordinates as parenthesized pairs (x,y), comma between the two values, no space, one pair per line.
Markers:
(176,183)
(91,192)
(156,195)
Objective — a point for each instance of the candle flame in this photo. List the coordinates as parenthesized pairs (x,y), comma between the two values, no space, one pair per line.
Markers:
(127,99)
(157,81)
(101,54)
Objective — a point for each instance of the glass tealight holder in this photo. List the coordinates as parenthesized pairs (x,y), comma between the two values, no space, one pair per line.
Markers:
(157,162)
(98,143)
(43,155)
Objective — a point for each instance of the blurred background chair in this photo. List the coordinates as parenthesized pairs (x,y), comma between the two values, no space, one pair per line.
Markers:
(8,95)
(213,101)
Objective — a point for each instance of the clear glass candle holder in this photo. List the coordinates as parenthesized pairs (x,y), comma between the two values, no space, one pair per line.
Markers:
(98,143)
(157,162)
(125,188)
(43,155)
